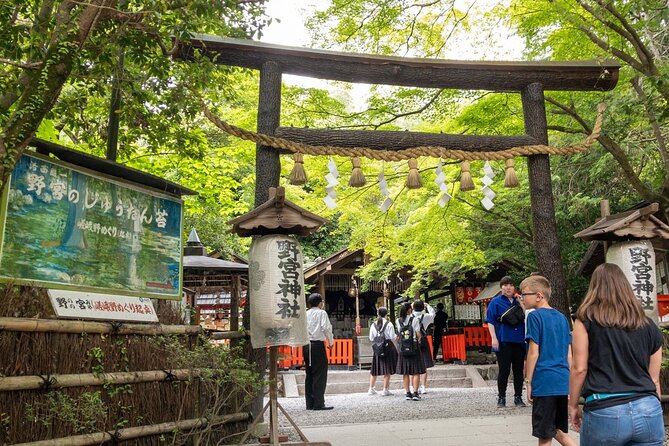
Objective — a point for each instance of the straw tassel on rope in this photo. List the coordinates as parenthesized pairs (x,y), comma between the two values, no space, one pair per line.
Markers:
(298,176)
(413,179)
(510,177)
(357,177)
(466,182)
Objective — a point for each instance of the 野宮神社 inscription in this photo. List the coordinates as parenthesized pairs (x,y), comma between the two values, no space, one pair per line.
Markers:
(65,227)
(290,286)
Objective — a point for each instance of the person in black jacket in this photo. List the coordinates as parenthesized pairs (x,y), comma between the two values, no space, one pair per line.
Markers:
(440,324)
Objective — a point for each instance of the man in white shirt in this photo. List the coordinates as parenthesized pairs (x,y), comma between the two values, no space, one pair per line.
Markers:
(315,357)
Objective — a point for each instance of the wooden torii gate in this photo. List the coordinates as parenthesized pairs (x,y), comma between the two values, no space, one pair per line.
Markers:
(530,79)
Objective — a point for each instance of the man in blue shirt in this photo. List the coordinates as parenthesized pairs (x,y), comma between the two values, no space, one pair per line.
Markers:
(508,342)
(548,360)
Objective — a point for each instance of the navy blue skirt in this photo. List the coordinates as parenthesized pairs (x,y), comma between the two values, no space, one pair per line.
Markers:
(411,365)
(385,365)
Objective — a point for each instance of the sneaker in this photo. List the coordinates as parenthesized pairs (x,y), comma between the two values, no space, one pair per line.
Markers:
(422,390)
(386,392)
(409,396)
(518,401)
(416,397)
(501,402)
(371,391)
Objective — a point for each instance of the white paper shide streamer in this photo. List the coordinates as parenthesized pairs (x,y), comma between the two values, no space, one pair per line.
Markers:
(443,187)
(276,292)
(383,188)
(331,177)
(488,193)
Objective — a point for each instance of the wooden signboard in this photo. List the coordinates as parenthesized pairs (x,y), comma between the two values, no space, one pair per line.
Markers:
(65,227)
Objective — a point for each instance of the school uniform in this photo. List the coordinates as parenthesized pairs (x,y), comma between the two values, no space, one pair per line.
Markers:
(384,365)
(425,320)
(410,365)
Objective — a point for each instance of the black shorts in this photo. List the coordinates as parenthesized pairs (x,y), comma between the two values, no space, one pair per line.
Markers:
(548,414)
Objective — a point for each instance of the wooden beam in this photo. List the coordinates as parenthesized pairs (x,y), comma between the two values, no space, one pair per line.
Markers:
(544,225)
(405,71)
(398,140)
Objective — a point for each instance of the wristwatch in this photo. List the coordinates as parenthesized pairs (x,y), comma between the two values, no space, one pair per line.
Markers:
(527,381)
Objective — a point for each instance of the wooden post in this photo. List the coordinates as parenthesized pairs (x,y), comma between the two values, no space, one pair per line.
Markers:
(235,299)
(605,211)
(268,166)
(321,285)
(546,242)
(273,408)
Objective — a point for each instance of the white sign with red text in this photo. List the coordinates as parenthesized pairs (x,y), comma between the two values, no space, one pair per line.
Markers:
(109,307)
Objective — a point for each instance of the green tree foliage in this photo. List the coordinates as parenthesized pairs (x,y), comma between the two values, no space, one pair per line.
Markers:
(58,57)
(630,164)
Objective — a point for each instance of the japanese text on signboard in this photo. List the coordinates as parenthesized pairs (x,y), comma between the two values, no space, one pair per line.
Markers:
(290,287)
(642,270)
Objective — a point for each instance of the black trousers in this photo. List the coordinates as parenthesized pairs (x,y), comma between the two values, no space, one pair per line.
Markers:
(317,374)
(436,343)
(510,355)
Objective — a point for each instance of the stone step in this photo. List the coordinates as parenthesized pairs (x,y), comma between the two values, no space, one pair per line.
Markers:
(357,381)
(338,376)
(396,385)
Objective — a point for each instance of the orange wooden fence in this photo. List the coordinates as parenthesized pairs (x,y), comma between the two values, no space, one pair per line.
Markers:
(453,347)
(477,337)
(340,353)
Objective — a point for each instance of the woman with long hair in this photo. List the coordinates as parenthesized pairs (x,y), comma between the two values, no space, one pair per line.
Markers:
(386,363)
(617,353)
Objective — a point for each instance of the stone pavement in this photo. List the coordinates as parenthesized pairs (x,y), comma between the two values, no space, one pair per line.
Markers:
(513,430)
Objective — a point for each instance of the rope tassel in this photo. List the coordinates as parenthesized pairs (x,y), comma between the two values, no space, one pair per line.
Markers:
(357,177)
(510,177)
(298,176)
(413,179)
(466,182)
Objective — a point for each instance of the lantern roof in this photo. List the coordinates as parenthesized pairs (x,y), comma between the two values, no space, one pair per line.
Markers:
(277,216)
(634,224)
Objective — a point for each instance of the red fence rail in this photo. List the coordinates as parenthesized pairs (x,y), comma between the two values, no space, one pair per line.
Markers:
(340,353)
(477,337)
(454,347)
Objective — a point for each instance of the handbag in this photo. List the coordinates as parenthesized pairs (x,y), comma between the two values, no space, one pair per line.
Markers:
(515,315)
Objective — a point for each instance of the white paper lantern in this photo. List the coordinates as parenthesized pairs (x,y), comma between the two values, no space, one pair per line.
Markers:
(276,288)
(637,260)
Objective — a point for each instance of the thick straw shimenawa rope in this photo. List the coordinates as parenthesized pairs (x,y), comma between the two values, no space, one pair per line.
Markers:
(405,154)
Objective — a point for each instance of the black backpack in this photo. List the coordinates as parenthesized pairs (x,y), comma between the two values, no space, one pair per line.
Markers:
(424,345)
(379,344)
(408,344)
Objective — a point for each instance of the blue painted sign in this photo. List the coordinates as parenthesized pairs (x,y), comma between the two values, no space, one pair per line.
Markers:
(65,227)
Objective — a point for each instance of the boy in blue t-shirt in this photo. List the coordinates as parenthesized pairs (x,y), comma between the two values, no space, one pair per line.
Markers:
(548,362)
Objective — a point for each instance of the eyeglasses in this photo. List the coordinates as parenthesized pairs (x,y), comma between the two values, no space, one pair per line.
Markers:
(522,296)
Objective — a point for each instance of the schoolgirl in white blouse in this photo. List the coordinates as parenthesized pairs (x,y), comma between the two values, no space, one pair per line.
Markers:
(383,365)
(410,367)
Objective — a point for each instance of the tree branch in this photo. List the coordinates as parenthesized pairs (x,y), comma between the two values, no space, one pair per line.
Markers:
(634,38)
(620,54)
(396,116)
(618,154)
(525,235)
(655,125)
(24,65)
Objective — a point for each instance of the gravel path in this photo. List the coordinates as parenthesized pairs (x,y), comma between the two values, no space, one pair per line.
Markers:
(363,408)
